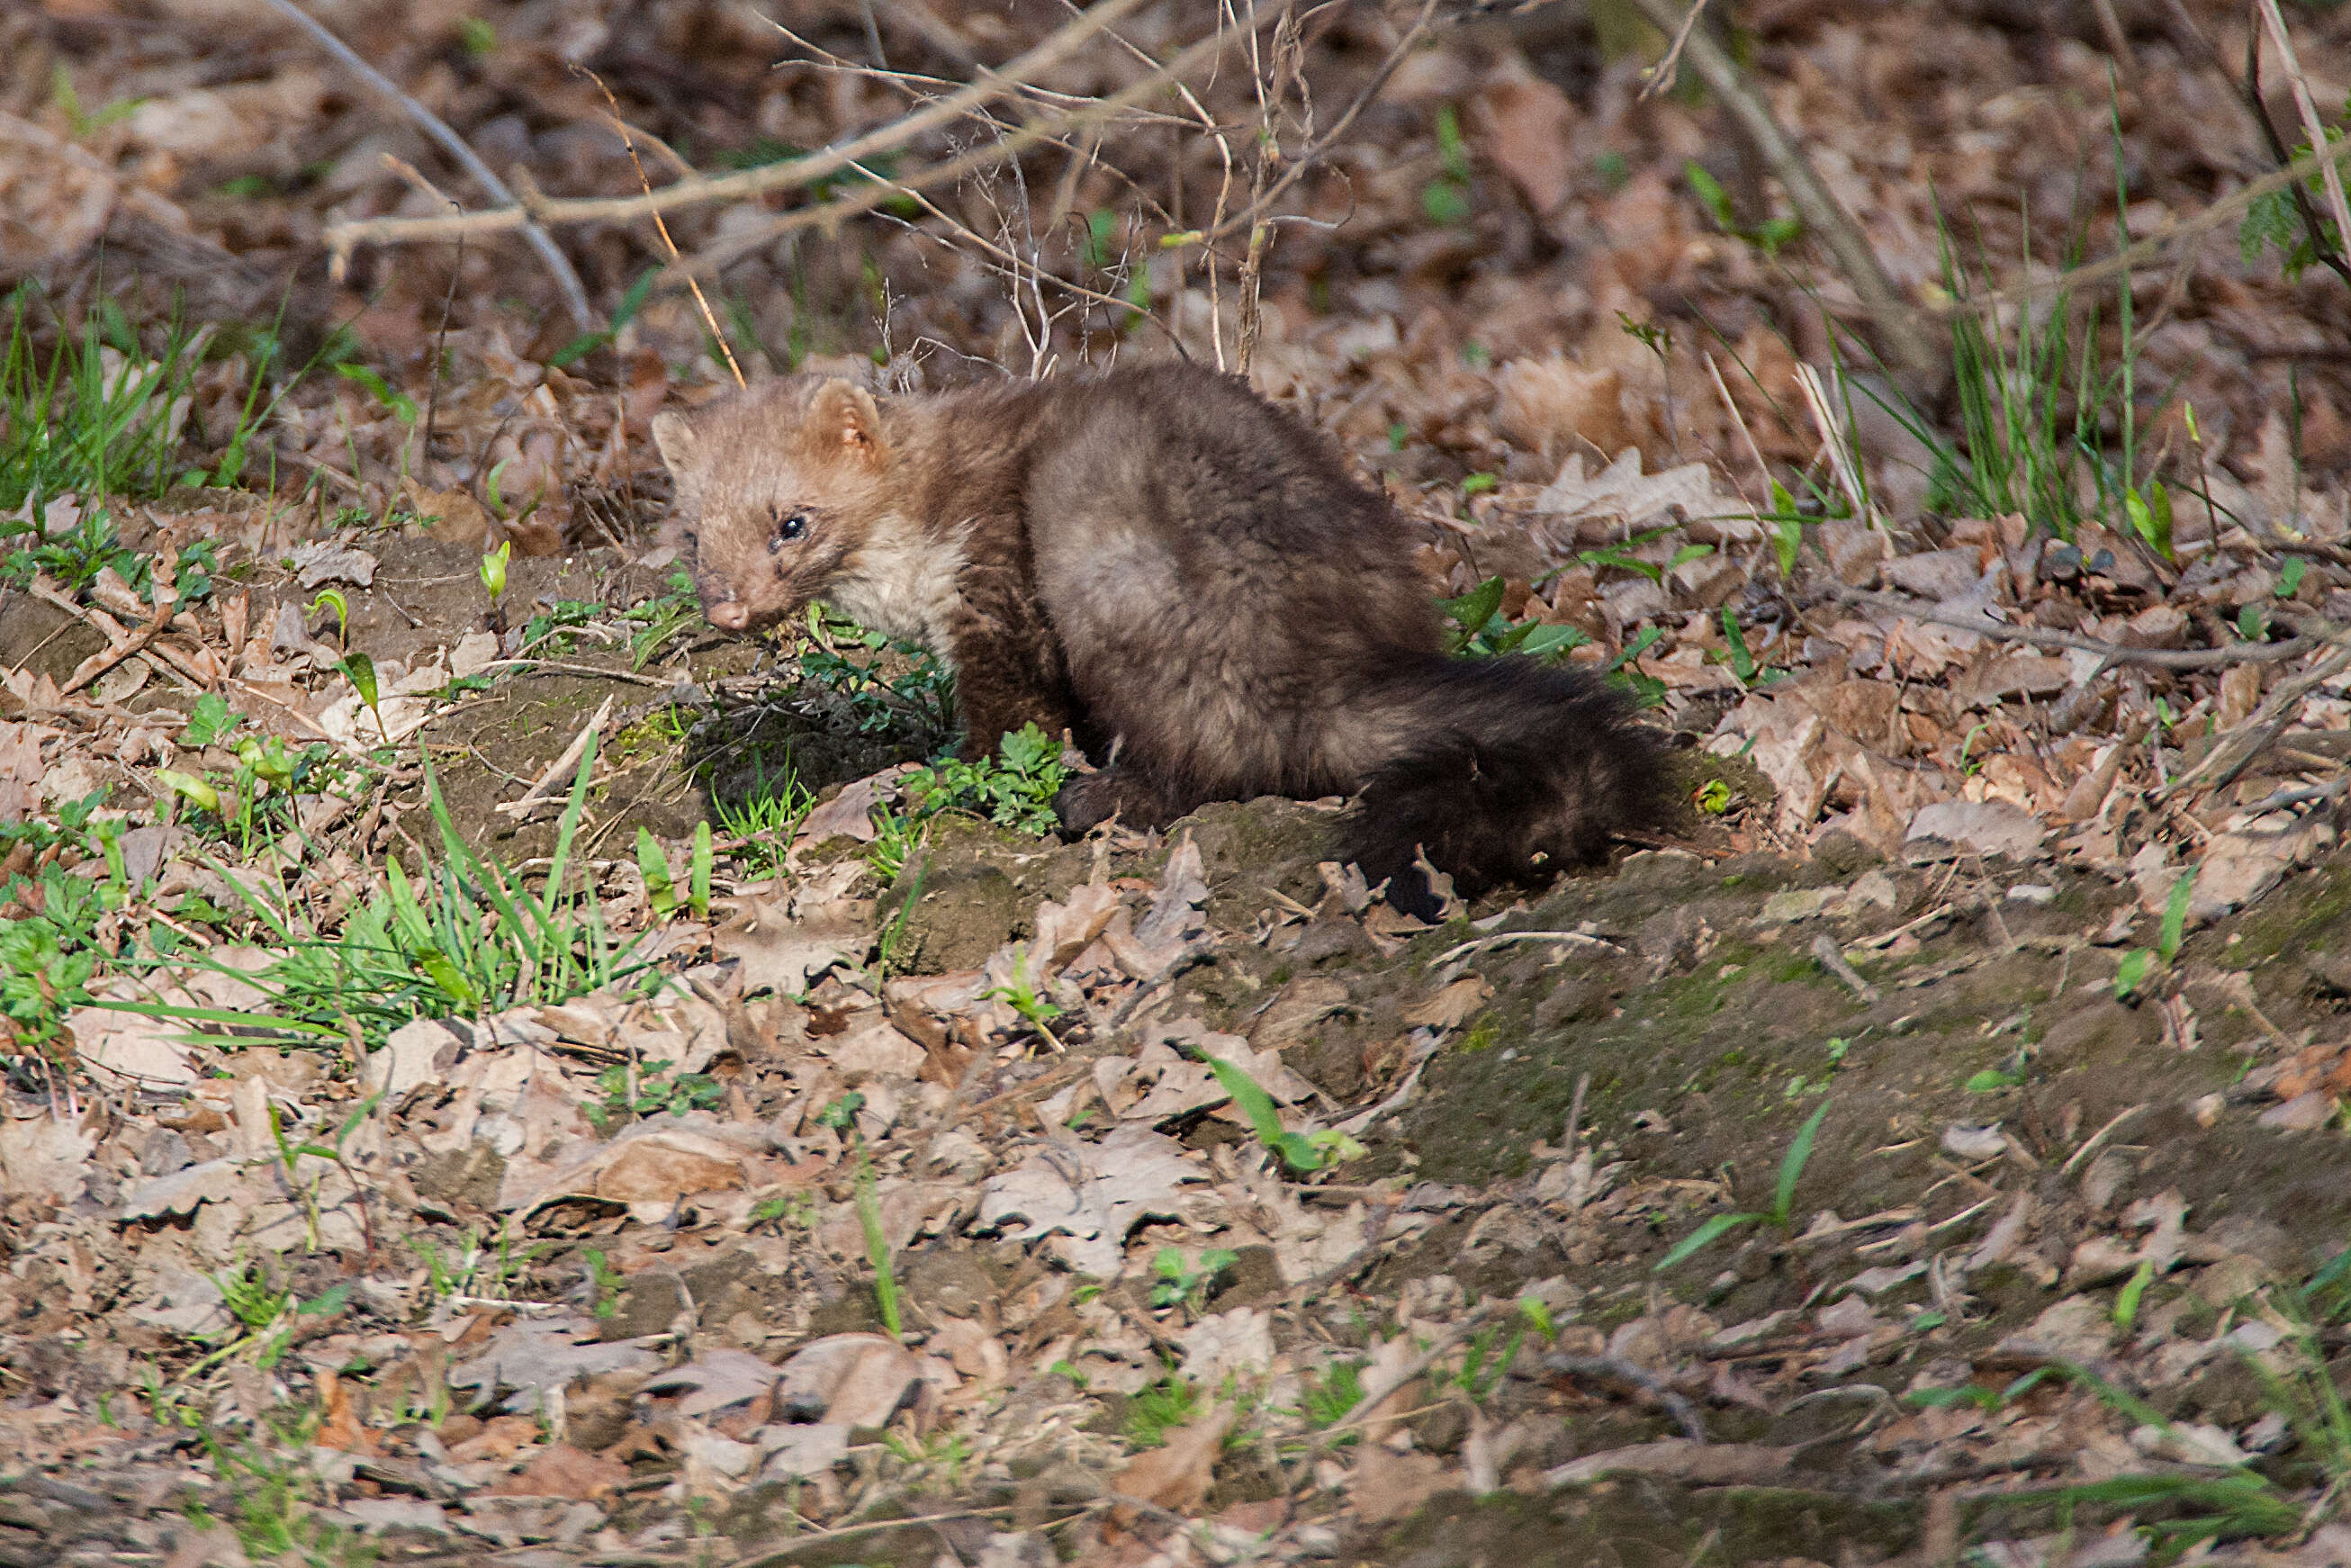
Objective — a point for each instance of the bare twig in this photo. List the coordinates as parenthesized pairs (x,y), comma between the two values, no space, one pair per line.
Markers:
(2238,747)
(661,225)
(1832,958)
(2330,179)
(575,295)
(98,664)
(1669,66)
(1042,129)
(2113,652)
(542,789)
(1908,345)
(747,183)
(2221,214)
(1248,217)
(1503,939)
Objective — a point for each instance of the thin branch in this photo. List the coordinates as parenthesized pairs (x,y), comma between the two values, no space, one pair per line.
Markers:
(2113,652)
(2218,216)
(750,183)
(2312,126)
(1908,345)
(1662,74)
(2329,255)
(2237,748)
(725,252)
(1247,219)
(575,295)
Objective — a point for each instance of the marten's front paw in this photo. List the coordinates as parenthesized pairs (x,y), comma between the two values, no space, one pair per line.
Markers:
(1090,800)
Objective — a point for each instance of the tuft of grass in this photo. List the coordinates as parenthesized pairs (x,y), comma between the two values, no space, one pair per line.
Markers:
(461,939)
(1782,1213)
(98,415)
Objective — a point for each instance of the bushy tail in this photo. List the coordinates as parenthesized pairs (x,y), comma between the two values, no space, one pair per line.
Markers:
(1516,771)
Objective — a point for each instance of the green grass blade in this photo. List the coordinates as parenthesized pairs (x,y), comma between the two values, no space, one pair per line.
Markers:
(1792,1164)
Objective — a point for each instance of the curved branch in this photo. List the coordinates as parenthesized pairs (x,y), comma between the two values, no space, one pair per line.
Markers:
(574,294)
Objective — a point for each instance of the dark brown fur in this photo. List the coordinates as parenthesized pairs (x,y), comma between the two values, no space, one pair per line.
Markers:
(1182,575)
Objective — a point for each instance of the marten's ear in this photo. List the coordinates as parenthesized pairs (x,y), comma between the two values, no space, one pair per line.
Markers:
(677,443)
(846,415)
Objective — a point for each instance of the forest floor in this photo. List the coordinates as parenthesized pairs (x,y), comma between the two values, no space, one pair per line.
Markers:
(498,1071)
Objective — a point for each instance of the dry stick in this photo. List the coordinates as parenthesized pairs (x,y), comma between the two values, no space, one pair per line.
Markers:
(574,294)
(2312,126)
(748,182)
(2250,89)
(2113,652)
(1909,347)
(726,252)
(661,226)
(2220,215)
(1662,74)
(2240,746)
(98,664)
(1248,217)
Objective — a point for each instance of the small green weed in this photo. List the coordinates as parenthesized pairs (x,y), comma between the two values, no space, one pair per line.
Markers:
(1160,1409)
(626,1091)
(1782,1214)
(2139,961)
(841,1117)
(1021,994)
(662,892)
(1446,199)
(98,415)
(1766,237)
(1327,1399)
(1014,788)
(661,620)
(49,954)
(920,698)
(1181,1284)
(1477,629)
(1303,1153)
(464,938)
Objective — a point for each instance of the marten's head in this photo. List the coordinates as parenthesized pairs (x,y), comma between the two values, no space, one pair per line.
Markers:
(777,488)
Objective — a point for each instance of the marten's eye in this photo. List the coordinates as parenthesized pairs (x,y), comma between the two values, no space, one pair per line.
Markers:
(786,530)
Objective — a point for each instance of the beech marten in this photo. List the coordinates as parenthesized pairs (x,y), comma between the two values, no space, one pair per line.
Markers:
(1182,577)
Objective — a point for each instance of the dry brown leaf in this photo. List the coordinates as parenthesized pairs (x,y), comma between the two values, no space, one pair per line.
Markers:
(563,1470)
(1453,1004)
(849,1380)
(1178,1474)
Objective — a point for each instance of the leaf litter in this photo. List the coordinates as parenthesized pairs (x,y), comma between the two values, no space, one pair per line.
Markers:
(599,1276)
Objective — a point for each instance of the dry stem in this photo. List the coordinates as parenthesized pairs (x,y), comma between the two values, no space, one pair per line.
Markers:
(575,295)
(745,184)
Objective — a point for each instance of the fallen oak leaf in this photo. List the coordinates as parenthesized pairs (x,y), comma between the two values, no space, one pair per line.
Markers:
(1177,1475)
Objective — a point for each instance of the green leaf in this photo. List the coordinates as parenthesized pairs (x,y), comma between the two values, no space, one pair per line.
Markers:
(359,670)
(2175,915)
(194,789)
(494,564)
(698,874)
(2133,970)
(2252,622)
(403,408)
(1792,1164)
(1264,1119)
(653,866)
(1474,608)
(2290,575)
(1699,1238)
(209,719)
(1710,195)
(2127,1299)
